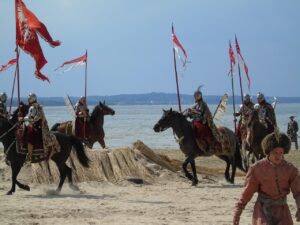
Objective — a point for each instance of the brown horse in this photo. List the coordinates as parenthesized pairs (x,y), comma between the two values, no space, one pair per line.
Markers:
(256,132)
(95,123)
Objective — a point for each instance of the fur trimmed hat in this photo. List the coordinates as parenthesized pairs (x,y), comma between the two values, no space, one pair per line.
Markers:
(271,141)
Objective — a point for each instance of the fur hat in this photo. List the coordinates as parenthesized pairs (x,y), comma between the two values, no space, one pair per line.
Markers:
(271,141)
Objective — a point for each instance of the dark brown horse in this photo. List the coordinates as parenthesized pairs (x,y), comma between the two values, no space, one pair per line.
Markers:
(17,159)
(182,128)
(256,132)
(95,122)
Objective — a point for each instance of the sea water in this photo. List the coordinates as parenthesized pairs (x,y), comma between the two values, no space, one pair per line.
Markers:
(135,122)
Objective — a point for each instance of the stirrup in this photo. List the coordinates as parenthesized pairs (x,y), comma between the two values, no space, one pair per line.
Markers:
(28,158)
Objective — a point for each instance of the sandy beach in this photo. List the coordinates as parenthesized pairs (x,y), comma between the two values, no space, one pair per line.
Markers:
(169,199)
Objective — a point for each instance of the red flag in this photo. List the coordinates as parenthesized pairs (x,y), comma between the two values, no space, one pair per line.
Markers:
(74,62)
(28,27)
(241,61)
(7,65)
(177,45)
(231,55)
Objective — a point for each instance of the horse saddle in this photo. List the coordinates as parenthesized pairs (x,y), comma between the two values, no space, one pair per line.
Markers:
(216,147)
(39,153)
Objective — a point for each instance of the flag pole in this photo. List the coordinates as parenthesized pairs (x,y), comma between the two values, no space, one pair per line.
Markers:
(241,86)
(85,90)
(12,91)
(176,75)
(232,88)
(18,77)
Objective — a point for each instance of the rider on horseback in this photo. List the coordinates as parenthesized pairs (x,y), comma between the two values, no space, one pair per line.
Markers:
(82,117)
(3,110)
(38,135)
(202,120)
(245,111)
(266,113)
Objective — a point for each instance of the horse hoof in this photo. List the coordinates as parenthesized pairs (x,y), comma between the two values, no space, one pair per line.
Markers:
(10,193)
(26,188)
(194,183)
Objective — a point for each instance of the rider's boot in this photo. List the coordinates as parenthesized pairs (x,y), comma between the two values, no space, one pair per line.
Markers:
(30,150)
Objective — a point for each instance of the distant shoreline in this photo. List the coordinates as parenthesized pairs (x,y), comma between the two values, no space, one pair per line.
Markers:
(149,99)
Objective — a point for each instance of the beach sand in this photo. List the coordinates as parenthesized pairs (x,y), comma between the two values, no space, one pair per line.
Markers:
(170,199)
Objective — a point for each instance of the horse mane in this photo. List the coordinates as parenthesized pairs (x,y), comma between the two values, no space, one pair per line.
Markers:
(95,114)
(14,117)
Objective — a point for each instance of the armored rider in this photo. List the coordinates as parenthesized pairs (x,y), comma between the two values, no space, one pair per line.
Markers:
(38,135)
(245,111)
(202,120)
(81,121)
(266,113)
(3,110)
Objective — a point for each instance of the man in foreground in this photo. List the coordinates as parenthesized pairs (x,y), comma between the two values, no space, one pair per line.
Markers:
(273,178)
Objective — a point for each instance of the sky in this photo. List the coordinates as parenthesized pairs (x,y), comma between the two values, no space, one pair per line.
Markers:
(130,49)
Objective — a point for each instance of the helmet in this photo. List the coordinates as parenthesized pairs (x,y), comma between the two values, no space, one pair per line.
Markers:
(3,97)
(32,98)
(198,93)
(247,98)
(260,96)
(81,100)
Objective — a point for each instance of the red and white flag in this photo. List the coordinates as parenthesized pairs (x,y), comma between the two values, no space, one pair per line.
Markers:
(74,63)
(231,55)
(7,65)
(28,27)
(241,61)
(232,58)
(177,45)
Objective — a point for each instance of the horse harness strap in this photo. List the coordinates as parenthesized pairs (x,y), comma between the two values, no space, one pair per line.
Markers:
(3,135)
(179,139)
(6,151)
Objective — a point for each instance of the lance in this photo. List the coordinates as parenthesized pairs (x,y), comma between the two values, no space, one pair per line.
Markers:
(12,91)
(232,88)
(85,90)
(176,75)
(18,76)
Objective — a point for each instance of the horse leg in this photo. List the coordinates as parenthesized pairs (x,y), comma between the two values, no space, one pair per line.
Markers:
(69,175)
(15,169)
(63,173)
(195,179)
(102,142)
(184,167)
(23,186)
(233,170)
(227,177)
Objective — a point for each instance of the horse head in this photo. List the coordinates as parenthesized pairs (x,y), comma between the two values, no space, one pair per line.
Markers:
(168,119)
(101,110)
(19,112)
(106,109)
(252,119)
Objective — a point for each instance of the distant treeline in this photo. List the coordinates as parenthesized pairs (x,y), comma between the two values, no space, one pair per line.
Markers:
(149,99)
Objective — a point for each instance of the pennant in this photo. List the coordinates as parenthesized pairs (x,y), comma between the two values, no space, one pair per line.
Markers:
(177,45)
(231,55)
(7,65)
(241,61)
(28,27)
(222,107)
(74,63)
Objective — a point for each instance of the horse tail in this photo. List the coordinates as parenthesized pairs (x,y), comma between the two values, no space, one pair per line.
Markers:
(238,158)
(81,155)
(55,127)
